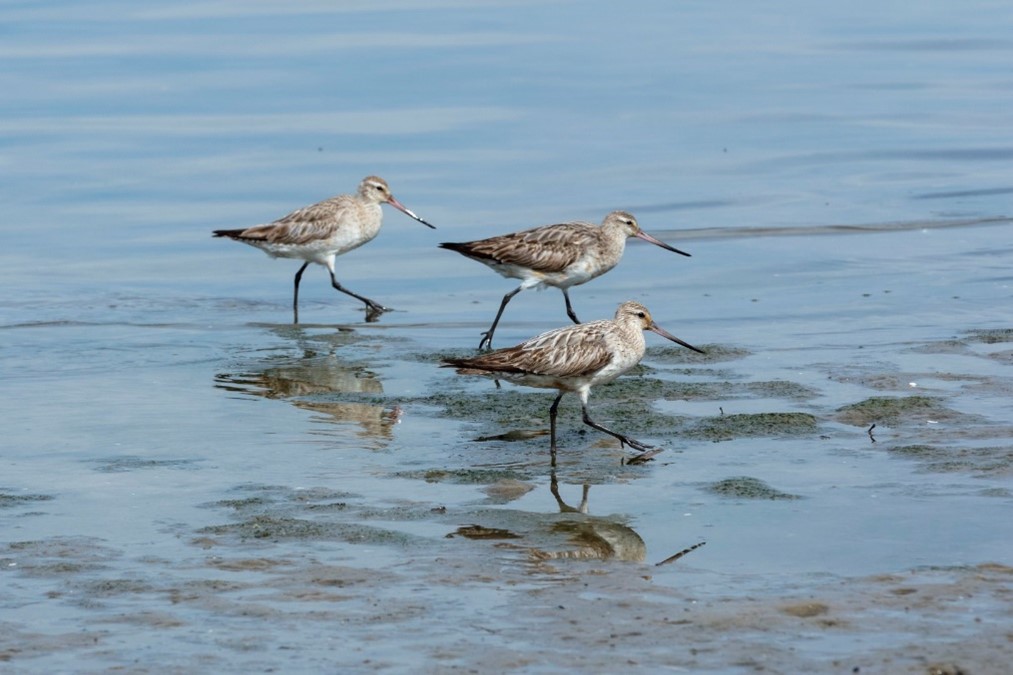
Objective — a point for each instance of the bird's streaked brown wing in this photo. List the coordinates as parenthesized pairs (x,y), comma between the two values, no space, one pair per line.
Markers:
(572,351)
(549,249)
(303,225)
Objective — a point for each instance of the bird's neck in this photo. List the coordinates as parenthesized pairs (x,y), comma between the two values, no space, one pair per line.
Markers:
(612,239)
(633,335)
(373,217)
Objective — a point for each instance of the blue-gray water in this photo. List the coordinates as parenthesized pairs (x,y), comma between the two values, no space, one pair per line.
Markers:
(189,483)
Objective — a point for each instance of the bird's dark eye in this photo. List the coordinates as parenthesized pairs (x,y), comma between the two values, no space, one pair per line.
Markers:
(641,315)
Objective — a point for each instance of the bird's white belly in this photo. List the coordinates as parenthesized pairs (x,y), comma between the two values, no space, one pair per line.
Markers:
(611,371)
(318,251)
(574,275)
(578,273)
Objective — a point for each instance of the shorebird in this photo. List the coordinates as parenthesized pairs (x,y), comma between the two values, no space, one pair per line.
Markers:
(562,255)
(574,359)
(323,231)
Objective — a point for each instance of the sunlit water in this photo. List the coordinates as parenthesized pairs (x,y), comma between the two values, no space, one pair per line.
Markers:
(189,482)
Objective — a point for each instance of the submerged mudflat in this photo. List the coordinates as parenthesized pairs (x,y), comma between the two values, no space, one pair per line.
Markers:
(248,495)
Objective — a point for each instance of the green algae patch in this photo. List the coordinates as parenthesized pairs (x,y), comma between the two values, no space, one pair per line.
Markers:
(130,463)
(1004,356)
(783,389)
(718,391)
(8,500)
(698,391)
(746,487)
(276,528)
(987,461)
(461,476)
(647,389)
(942,347)
(439,357)
(714,354)
(263,497)
(728,427)
(992,336)
(891,411)
(624,420)
(630,414)
(244,503)
(918,451)
(504,406)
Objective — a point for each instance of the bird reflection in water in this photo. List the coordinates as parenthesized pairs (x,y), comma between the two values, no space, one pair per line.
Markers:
(594,538)
(585,537)
(313,383)
(601,539)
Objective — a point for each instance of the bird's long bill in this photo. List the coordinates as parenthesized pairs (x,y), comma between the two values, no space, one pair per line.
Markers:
(654,328)
(408,212)
(657,242)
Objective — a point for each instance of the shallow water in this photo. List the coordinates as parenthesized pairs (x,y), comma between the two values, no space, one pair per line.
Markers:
(191,483)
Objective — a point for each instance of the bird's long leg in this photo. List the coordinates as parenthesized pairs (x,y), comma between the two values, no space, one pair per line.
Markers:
(569,308)
(295,296)
(632,442)
(487,336)
(552,427)
(373,309)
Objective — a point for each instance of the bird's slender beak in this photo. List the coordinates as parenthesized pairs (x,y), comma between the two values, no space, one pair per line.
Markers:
(408,212)
(654,328)
(657,242)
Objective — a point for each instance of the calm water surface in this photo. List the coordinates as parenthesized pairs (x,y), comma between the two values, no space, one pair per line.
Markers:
(190,483)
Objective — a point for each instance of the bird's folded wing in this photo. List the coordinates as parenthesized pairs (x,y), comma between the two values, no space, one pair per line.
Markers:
(573,351)
(548,249)
(303,225)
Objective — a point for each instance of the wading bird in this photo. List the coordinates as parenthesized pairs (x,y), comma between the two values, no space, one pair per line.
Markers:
(323,231)
(562,255)
(574,359)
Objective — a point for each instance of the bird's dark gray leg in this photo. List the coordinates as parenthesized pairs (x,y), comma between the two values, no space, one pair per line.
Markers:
(632,442)
(487,336)
(295,296)
(569,308)
(373,309)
